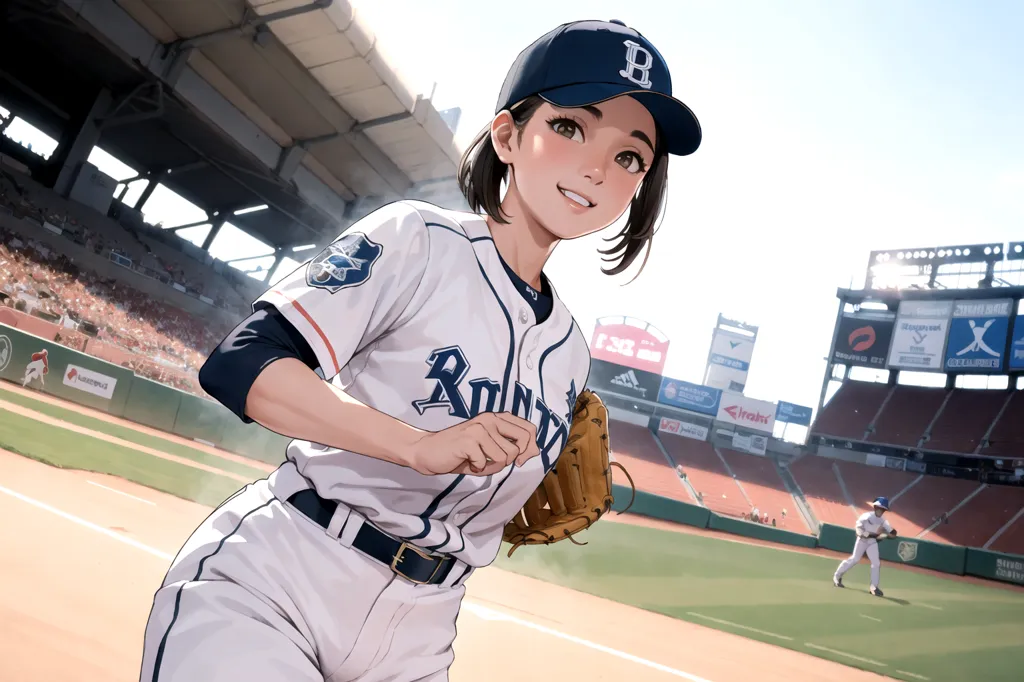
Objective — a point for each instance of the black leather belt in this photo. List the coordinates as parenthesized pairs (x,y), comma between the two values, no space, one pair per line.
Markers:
(406,560)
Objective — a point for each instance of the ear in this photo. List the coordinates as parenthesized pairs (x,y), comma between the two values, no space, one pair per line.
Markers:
(502,130)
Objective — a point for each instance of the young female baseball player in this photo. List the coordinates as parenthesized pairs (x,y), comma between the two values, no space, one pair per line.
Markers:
(427,371)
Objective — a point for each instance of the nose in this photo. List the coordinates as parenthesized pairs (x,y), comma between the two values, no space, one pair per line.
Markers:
(593,171)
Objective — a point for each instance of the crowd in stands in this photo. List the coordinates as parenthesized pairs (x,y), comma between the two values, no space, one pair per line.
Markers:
(49,285)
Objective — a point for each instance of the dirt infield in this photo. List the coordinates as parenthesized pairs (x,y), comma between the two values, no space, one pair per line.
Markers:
(87,551)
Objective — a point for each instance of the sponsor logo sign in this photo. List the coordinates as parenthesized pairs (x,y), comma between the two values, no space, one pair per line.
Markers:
(91,382)
(729,361)
(629,345)
(907,551)
(626,381)
(743,411)
(1016,360)
(6,350)
(977,336)
(1011,570)
(685,429)
(693,397)
(755,445)
(863,339)
(793,414)
(919,339)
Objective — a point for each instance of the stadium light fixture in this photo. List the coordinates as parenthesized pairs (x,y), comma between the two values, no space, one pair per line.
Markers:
(303,247)
(251,209)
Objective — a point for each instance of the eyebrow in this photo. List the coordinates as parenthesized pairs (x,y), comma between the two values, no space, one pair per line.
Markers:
(640,135)
(593,111)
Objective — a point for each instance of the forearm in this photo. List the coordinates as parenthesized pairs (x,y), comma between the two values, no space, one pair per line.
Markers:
(289,398)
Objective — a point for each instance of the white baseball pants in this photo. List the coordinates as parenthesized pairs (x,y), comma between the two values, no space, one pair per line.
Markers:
(261,593)
(863,546)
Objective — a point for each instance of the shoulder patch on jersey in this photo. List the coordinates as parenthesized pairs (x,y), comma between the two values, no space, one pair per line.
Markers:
(345,263)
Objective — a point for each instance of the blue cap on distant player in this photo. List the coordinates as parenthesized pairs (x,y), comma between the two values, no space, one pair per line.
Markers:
(882,502)
(587,62)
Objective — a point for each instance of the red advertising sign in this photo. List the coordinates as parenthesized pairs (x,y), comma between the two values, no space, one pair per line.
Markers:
(629,342)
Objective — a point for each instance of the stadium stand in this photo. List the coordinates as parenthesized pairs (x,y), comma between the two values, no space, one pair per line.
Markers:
(864,483)
(707,475)
(821,489)
(634,447)
(924,502)
(965,419)
(47,293)
(1011,540)
(851,410)
(906,415)
(981,517)
(765,488)
(1007,435)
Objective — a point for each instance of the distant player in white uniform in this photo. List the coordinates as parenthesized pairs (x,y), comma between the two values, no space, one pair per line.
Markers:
(870,526)
(451,370)
(37,368)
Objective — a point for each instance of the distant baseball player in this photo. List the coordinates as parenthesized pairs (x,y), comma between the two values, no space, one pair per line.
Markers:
(870,527)
(38,368)
(452,370)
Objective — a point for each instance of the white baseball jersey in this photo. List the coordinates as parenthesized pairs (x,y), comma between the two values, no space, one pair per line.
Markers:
(869,522)
(411,312)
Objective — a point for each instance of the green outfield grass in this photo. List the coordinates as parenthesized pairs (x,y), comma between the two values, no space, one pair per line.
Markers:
(131,435)
(927,625)
(70,450)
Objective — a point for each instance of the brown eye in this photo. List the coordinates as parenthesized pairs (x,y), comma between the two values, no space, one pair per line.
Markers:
(631,161)
(567,128)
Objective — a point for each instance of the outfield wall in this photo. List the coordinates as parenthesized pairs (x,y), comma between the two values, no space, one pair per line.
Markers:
(935,556)
(101,385)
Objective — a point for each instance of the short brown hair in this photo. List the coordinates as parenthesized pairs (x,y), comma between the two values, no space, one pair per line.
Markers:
(481,173)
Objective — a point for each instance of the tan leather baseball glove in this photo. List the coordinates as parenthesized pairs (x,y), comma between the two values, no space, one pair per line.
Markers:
(578,490)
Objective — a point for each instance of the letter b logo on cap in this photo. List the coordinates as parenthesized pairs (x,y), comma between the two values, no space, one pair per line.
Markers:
(637,71)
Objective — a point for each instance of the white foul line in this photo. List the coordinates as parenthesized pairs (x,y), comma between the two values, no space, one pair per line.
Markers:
(914,675)
(877,620)
(491,614)
(483,612)
(929,606)
(120,492)
(741,627)
(837,652)
(86,524)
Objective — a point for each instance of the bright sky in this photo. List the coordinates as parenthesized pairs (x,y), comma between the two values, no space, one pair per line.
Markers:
(830,129)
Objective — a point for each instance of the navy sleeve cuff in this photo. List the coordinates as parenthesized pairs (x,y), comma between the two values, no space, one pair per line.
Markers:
(261,339)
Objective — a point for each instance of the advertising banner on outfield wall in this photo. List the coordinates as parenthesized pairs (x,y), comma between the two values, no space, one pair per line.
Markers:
(863,339)
(977,336)
(627,381)
(729,362)
(685,429)
(793,414)
(1016,361)
(919,339)
(629,342)
(693,397)
(738,409)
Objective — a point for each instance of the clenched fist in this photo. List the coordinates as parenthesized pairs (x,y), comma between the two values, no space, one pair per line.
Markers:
(480,446)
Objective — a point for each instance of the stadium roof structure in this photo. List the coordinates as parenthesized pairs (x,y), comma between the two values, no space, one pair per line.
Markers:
(234,103)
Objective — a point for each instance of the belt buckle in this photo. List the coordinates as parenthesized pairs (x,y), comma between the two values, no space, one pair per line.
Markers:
(416,550)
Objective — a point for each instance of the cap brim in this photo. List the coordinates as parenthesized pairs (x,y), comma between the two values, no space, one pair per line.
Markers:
(677,123)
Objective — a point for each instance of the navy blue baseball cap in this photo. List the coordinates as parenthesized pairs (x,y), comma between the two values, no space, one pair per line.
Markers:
(882,502)
(587,62)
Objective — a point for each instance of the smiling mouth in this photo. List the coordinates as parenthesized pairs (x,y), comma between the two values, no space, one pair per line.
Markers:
(576,198)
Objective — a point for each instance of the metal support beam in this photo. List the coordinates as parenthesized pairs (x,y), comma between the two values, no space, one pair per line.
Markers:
(356,127)
(289,162)
(272,272)
(182,227)
(250,22)
(154,180)
(214,230)
(156,106)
